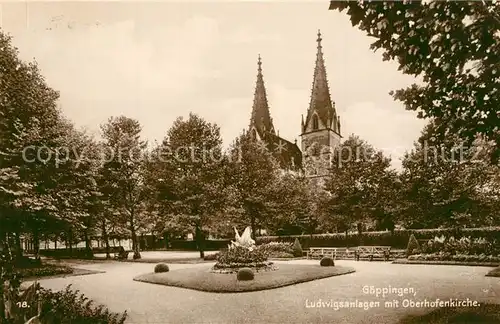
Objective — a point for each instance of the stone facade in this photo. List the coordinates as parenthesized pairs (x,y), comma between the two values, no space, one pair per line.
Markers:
(319,133)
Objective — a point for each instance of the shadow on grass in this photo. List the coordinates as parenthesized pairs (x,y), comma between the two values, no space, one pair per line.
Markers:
(494,273)
(200,278)
(484,314)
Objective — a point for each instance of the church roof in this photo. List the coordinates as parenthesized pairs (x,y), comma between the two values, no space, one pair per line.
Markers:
(288,154)
(261,117)
(321,102)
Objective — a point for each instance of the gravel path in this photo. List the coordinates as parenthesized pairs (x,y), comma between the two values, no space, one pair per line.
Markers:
(148,303)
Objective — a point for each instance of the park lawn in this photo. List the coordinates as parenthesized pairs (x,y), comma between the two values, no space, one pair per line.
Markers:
(485,314)
(200,278)
(494,273)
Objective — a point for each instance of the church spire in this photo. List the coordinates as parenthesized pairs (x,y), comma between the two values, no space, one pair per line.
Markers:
(261,117)
(321,101)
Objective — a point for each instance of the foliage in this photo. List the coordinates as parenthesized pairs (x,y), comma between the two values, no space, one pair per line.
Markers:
(189,173)
(361,187)
(297,248)
(252,174)
(327,262)
(245,274)
(464,245)
(448,184)
(161,267)
(296,207)
(69,306)
(397,239)
(413,246)
(455,257)
(237,256)
(276,249)
(123,172)
(43,271)
(453,46)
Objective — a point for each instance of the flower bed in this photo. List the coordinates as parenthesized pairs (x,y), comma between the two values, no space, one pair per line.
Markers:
(232,259)
(43,271)
(444,256)
(277,249)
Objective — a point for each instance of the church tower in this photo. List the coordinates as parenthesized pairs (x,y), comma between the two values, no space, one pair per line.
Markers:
(261,122)
(320,130)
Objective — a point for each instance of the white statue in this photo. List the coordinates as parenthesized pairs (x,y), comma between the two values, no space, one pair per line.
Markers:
(245,240)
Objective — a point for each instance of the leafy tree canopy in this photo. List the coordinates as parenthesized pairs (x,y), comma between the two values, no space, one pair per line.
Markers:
(454,46)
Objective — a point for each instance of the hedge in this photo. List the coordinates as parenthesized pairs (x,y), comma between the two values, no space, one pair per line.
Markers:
(397,240)
(78,253)
(209,245)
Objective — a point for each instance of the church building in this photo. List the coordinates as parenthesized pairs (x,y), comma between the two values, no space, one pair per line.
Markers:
(319,131)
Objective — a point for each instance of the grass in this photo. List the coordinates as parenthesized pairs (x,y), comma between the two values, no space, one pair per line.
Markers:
(200,278)
(494,273)
(484,314)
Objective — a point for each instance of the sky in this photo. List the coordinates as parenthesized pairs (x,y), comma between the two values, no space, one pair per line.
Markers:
(155,61)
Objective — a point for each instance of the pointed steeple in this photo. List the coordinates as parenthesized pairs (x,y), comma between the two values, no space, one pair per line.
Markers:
(261,117)
(321,101)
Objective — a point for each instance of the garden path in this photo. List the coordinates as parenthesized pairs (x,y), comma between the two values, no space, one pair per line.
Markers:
(148,303)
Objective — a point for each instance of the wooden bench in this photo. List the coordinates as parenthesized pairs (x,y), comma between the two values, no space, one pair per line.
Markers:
(119,252)
(334,253)
(371,252)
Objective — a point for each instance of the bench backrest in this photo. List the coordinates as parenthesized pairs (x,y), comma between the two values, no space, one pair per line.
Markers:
(373,248)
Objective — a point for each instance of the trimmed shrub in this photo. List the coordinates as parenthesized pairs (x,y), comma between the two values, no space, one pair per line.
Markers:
(297,249)
(245,274)
(413,246)
(327,262)
(161,267)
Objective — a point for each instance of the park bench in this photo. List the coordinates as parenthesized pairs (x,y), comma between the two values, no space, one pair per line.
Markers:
(334,253)
(371,252)
(119,252)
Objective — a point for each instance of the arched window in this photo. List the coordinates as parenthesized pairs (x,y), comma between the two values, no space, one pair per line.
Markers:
(315,122)
(254,134)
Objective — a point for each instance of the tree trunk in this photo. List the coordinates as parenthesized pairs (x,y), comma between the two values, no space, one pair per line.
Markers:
(88,244)
(55,242)
(165,235)
(200,241)
(252,225)
(19,249)
(36,243)
(105,238)
(2,281)
(135,246)
(70,241)
(360,233)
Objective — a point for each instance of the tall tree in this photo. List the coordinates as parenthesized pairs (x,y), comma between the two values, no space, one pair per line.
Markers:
(360,186)
(29,119)
(123,172)
(447,183)
(253,173)
(190,180)
(297,201)
(454,46)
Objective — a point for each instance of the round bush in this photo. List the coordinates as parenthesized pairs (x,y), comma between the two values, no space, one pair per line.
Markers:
(327,262)
(245,274)
(161,267)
